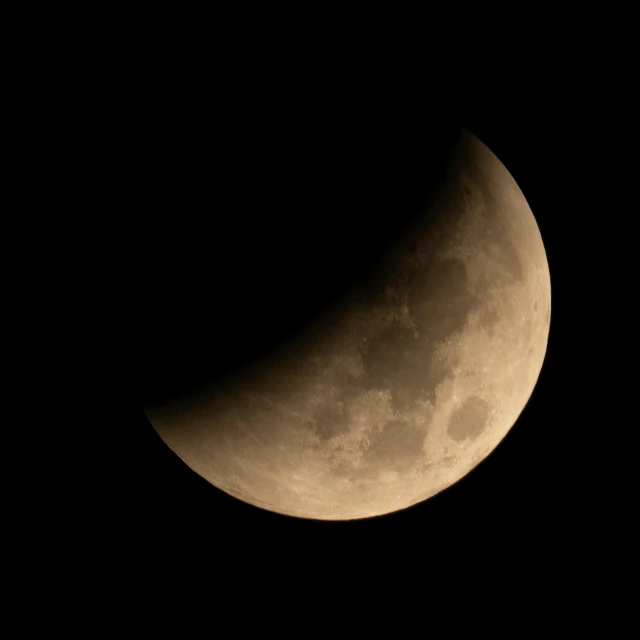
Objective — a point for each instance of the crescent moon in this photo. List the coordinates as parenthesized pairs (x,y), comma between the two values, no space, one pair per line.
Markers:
(403,389)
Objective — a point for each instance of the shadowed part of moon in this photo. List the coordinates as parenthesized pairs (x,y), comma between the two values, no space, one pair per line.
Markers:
(469,419)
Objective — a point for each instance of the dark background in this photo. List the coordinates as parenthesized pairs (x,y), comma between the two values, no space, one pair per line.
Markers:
(234,210)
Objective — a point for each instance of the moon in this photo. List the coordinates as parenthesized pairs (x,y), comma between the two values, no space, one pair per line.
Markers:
(405,386)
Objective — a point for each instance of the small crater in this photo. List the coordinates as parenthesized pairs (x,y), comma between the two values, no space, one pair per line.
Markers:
(448,462)
(469,419)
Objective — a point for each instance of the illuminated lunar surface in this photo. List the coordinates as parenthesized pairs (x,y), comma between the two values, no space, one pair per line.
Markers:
(400,391)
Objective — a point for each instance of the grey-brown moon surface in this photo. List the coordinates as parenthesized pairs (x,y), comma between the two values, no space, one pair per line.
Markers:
(398,392)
